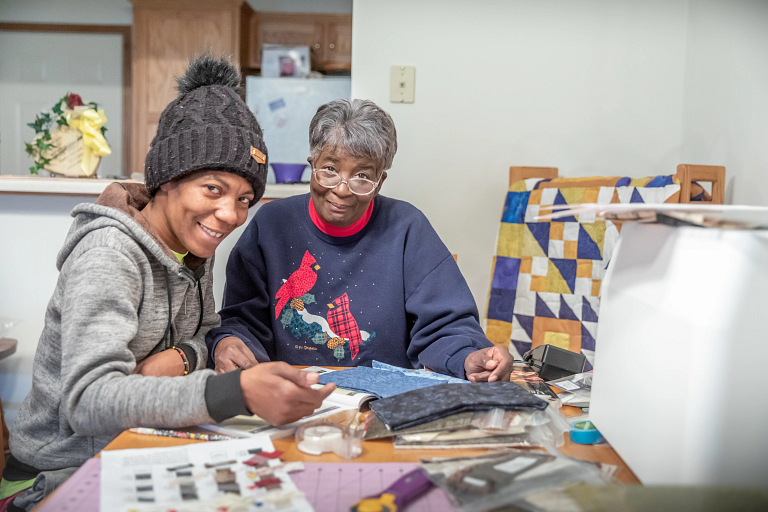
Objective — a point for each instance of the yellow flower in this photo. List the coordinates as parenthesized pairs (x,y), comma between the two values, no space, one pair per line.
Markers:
(89,123)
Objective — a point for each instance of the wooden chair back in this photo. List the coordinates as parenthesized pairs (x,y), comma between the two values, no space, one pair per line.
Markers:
(523,173)
(714,174)
(687,173)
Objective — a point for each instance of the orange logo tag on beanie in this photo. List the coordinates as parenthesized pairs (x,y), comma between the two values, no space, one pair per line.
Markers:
(258,155)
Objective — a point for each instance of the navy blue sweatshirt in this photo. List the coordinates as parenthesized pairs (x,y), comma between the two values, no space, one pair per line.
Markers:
(391,292)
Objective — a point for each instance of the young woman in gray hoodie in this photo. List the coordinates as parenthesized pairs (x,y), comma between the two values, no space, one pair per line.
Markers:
(124,338)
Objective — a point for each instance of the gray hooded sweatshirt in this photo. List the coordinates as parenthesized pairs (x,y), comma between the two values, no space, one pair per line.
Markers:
(121,296)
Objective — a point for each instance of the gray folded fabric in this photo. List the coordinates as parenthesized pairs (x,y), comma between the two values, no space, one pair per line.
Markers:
(428,404)
(45,483)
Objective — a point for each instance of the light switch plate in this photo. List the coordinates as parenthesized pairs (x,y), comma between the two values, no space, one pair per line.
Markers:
(402,84)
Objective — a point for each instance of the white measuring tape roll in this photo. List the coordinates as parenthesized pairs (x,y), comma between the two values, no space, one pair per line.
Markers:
(319,437)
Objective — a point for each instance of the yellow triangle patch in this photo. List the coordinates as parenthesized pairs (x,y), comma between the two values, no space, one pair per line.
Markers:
(573,195)
(518,186)
(555,281)
(596,231)
(531,246)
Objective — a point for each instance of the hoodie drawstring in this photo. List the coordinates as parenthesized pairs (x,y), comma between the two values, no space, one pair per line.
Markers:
(168,328)
(199,320)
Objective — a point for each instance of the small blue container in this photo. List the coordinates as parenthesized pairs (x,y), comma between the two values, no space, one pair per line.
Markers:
(584,432)
(288,172)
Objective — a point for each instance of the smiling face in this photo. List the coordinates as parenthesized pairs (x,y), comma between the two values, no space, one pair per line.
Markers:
(339,206)
(197,212)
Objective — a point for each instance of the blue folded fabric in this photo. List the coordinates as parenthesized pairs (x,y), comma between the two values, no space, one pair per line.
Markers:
(382,383)
(419,373)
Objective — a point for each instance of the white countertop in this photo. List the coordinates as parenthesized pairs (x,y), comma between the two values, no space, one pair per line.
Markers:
(93,187)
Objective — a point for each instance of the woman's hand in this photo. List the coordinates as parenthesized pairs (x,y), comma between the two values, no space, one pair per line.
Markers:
(488,365)
(167,363)
(281,394)
(231,354)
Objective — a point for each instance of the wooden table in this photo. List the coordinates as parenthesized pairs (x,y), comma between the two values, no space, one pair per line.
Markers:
(382,450)
(7,347)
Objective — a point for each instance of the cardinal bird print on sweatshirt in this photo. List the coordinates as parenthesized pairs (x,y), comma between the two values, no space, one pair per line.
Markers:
(338,331)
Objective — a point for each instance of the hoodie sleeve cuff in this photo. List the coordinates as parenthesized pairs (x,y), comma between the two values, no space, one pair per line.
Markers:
(224,396)
(189,351)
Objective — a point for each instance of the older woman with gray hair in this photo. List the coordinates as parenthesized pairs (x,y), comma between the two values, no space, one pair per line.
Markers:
(344,276)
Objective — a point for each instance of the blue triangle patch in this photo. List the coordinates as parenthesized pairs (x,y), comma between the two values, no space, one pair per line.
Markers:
(559,199)
(566,313)
(636,197)
(540,231)
(587,341)
(526,322)
(542,309)
(587,313)
(587,248)
(567,269)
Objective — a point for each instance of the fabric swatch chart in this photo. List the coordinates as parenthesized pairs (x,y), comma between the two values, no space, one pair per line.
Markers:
(193,477)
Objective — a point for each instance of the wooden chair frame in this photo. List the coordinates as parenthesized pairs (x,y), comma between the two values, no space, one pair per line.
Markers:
(714,174)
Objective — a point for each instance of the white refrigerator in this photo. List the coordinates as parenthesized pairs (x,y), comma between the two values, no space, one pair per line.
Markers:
(284,108)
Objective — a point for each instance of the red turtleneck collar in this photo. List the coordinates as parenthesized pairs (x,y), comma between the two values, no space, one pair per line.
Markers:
(330,229)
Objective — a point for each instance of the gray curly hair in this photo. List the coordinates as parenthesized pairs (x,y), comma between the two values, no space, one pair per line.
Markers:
(360,127)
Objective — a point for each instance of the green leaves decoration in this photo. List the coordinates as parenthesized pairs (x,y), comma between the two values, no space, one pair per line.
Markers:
(44,122)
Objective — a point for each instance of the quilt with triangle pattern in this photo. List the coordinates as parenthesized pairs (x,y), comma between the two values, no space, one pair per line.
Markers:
(546,276)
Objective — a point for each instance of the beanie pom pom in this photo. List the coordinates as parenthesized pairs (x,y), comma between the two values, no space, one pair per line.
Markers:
(209,70)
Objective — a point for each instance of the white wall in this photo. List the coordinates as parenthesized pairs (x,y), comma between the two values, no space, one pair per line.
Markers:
(80,12)
(725,119)
(325,6)
(44,67)
(591,87)
(32,230)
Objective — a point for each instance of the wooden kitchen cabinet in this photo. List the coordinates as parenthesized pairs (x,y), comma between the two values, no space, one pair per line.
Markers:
(329,37)
(339,43)
(166,34)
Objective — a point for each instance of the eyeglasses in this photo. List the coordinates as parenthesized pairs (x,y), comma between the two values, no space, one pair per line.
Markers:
(331,179)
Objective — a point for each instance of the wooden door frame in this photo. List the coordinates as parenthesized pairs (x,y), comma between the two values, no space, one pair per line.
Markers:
(121,30)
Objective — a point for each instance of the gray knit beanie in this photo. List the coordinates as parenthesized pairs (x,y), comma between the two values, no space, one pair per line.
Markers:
(208,127)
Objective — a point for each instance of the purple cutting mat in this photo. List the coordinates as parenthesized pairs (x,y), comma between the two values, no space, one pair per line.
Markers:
(80,493)
(336,487)
(328,487)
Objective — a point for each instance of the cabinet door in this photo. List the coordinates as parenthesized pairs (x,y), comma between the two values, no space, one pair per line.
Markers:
(289,30)
(338,50)
(165,39)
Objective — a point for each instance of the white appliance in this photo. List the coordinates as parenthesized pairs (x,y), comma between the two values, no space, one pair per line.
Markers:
(682,355)
(284,108)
